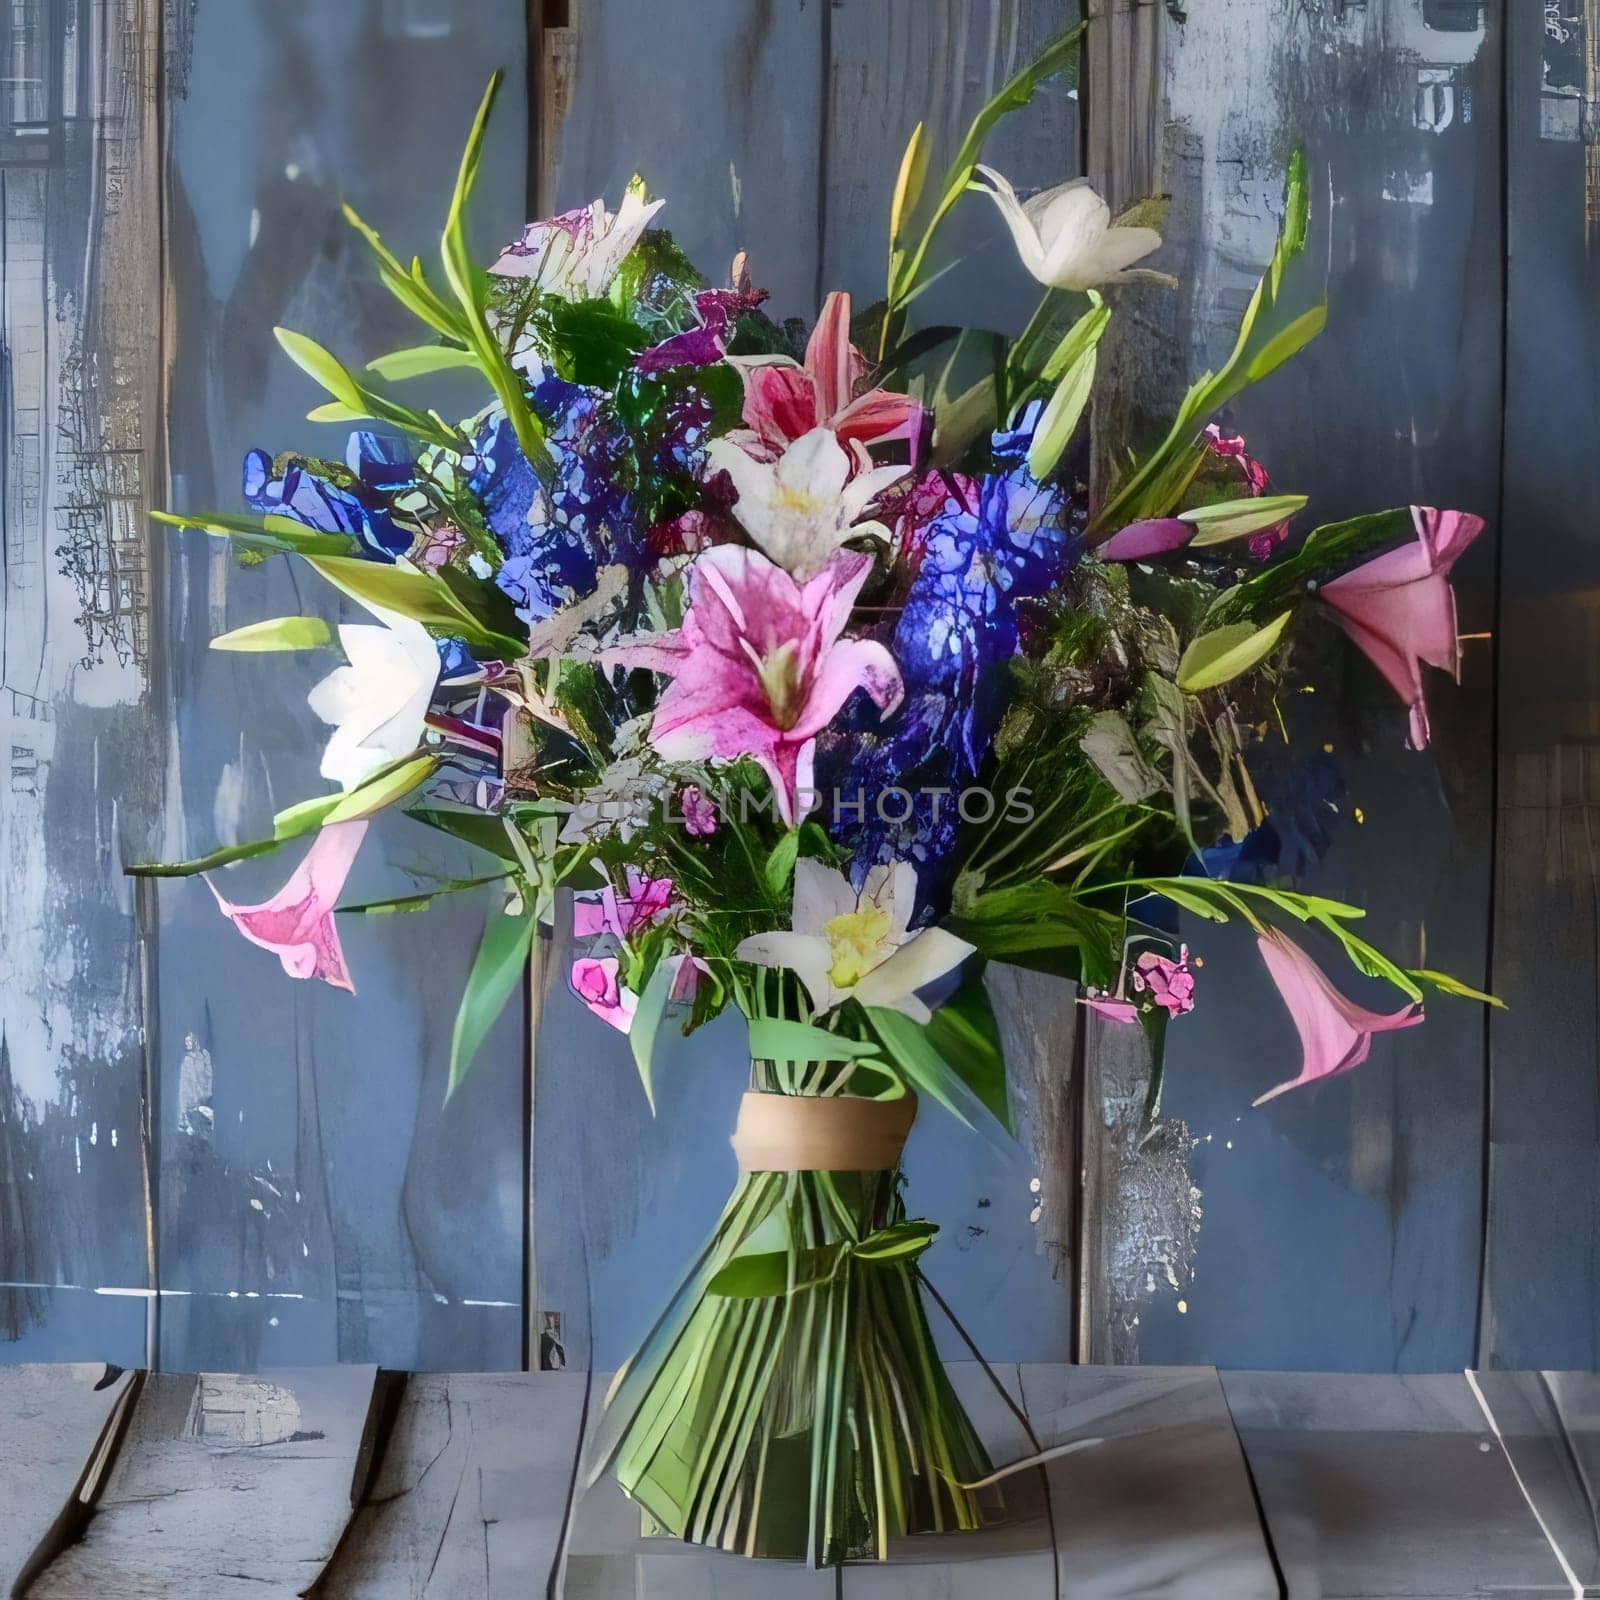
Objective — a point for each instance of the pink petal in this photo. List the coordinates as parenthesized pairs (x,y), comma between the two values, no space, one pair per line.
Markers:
(879,416)
(1113,1010)
(1141,539)
(1335,1033)
(780,404)
(594,981)
(833,366)
(850,665)
(297,923)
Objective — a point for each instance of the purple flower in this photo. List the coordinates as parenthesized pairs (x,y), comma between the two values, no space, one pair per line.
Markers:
(379,469)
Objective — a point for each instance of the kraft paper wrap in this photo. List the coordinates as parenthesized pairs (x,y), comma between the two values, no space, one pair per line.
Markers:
(811,1133)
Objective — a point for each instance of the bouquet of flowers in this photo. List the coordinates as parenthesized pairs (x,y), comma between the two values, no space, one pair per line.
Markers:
(811,670)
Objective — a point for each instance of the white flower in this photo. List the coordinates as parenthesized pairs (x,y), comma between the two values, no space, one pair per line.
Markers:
(577,254)
(377,703)
(1064,236)
(846,945)
(800,508)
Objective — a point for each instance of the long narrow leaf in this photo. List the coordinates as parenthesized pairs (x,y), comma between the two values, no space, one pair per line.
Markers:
(496,975)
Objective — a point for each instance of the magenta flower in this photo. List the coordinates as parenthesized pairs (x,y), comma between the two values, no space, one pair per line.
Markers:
(1111,1008)
(1170,983)
(605,911)
(699,813)
(594,981)
(784,401)
(758,668)
(1399,607)
(297,923)
(1335,1033)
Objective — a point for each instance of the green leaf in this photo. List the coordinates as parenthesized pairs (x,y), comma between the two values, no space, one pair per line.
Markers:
(475,827)
(774,1039)
(413,292)
(376,793)
(647,1017)
(779,869)
(1264,342)
(910,1049)
(279,633)
(335,411)
(1219,657)
(425,597)
(596,343)
(1062,415)
(900,1241)
(290,823)
(1232,519)
(1043,926)
(1445,984)
(467,283)
(421,361)
(406,903)
(765,1275)
(964,1032)
(1113,749)
(1196,904)
(496,975)
(321,365)
(271,534)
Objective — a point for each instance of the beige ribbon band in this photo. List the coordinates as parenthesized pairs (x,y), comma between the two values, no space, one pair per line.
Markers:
(813,1133)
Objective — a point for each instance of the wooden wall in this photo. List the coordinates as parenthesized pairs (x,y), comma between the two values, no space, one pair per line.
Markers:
(206,1166)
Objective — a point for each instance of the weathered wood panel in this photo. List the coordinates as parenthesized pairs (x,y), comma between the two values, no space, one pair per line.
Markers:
(225,1486)
(1541,1304)
(1380,1485)
(82,735)
(468,1496)
(1005,1258)
(318,1202)
(52,1419)
(1340,1227)
(723,120)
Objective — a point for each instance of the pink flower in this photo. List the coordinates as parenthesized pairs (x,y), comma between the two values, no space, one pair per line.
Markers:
(1231,447)
(758,668)
(1171,983)
(297,922)
(1335,1033)
(1142,539)
(594,981)
(784,401)
(699,813)
(1112,1009)
(1399,607)
(605,911)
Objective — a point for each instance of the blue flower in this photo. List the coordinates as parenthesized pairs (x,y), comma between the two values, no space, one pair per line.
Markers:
(381,468)
(959,627)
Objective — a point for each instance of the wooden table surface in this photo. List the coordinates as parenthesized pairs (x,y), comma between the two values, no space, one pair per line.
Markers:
(350,1481)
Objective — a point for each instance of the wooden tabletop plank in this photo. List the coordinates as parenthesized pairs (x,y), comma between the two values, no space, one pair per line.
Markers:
(51,1420)
(225,1488)
(1377,1485)
(1163,1505)
(468,1490)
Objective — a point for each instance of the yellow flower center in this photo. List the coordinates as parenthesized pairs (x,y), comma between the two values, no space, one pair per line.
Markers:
(856,941)
(780,682)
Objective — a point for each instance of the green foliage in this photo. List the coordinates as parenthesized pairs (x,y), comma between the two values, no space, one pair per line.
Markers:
(496,975)
(277,633)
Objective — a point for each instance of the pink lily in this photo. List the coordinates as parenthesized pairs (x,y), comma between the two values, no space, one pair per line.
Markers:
(605,911)
(1111,1008)
(1399,607)
(594,981)
(1140,540)
(297,923)
(758,668)
(783,400)
(1335,1033)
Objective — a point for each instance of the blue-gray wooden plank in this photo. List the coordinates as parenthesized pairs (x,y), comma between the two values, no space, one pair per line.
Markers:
(1541,1301)
(317,1201)
(721,118)
(1005,1257)
(81,735)
(1340,1227)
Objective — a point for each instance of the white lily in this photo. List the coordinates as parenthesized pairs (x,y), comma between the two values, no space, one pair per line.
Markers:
(577,254)
(377,703)
(1065,237)
(800,508)
(845,945)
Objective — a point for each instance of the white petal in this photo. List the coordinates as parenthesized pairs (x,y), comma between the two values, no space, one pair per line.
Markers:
(809,958)
(1023,232)
(1121,247)
(1072,211)
(902,900)
(922,958)
(815,465)
(820,894)
(866,486)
